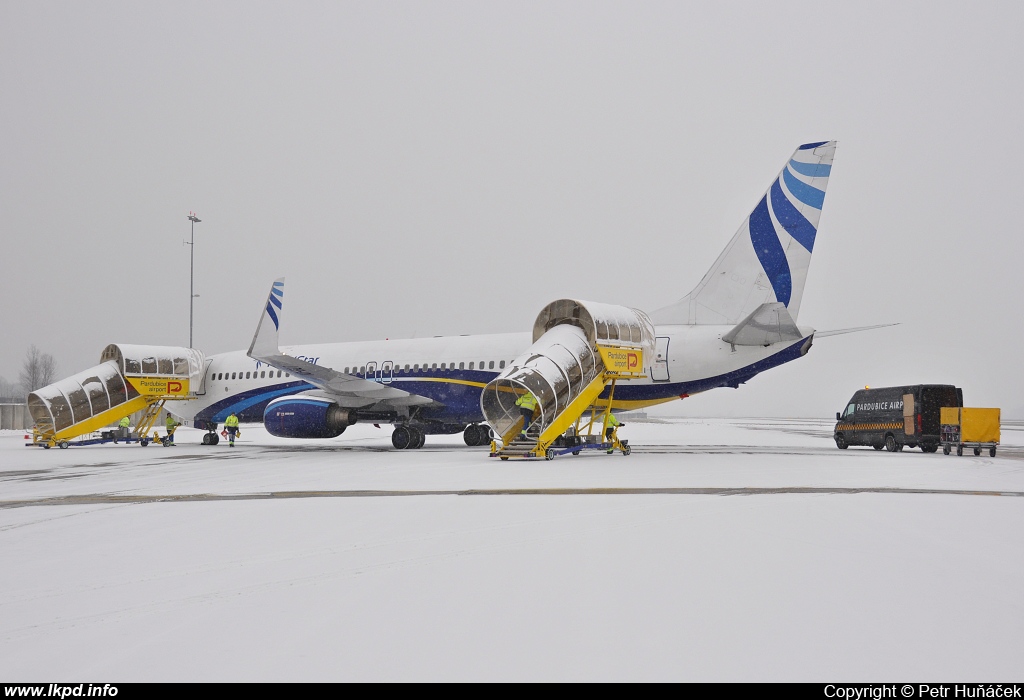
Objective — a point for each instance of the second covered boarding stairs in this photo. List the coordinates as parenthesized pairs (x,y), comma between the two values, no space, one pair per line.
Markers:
(579,348)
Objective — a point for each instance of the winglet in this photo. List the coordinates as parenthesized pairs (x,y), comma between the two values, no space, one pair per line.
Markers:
(264,343)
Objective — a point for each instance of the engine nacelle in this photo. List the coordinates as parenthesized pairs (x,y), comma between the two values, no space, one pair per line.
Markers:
(306,417)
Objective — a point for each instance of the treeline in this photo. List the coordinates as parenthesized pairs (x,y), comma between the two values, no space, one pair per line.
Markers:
(38,370)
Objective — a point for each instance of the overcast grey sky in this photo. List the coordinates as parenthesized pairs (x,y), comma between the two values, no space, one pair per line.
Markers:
(441,168)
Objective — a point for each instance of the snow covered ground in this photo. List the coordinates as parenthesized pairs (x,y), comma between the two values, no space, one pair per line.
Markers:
(725,549)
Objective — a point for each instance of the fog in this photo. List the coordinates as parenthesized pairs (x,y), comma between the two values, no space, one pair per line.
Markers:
(444,168)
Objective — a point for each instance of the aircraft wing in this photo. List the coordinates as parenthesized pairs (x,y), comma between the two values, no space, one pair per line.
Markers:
(348,390)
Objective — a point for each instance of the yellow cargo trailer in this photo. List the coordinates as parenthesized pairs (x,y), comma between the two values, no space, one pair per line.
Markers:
(969,427)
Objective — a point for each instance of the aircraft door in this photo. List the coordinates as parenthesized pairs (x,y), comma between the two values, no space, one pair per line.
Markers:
(387,372)
(659,368)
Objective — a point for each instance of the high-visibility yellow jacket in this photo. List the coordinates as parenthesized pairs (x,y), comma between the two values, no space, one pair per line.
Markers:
(527,400)
(231,422)
(171,422)
(125,422)
(610,421)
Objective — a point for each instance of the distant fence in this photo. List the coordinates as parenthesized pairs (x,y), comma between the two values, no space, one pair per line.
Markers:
(14,416)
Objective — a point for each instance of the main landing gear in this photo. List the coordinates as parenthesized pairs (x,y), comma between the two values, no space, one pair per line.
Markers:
(211,438)
(408,437)
(477,435)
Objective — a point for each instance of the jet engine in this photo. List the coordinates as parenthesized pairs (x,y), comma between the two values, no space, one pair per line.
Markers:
(306,417)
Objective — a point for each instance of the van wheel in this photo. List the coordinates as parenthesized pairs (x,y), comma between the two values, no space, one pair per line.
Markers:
(929,448)
(878,447)
(841,441)
(890,443)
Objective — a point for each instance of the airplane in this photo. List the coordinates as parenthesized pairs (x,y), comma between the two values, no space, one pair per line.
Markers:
(738,321)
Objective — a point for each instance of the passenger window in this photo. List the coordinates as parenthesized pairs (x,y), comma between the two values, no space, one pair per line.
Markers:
(471,365)
(263,374)
(491,365)
(279,373)
(285,374)
(247,375)
(407,368)
(433,366)
(502,364)
(462,365)
(346,370)
(232,375)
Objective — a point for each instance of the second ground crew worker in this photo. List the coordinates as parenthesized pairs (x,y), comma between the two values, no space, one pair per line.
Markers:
(610,424)
(231,425)
(123,424)
(172,425)
(527,403)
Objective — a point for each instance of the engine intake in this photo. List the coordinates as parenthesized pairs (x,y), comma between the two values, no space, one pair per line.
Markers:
(306,417)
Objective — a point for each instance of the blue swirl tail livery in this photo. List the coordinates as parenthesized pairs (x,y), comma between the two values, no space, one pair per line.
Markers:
(766,261)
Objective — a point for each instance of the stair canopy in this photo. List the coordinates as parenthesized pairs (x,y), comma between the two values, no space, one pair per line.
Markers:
(562,361)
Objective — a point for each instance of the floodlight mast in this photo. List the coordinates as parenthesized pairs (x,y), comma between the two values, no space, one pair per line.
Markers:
(191,270)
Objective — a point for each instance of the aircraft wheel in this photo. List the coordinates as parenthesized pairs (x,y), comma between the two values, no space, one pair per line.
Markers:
(991,452)
(841,441)
(401,438)
(977,451)
(421,439)
(890,443)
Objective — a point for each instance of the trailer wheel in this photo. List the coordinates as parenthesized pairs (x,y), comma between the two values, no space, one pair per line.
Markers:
(890,443)
(144,443)
(959,450)
(977,451)
(63,444)
(945,449)
(549,454)
(991,452)
(576,453)
(626,450)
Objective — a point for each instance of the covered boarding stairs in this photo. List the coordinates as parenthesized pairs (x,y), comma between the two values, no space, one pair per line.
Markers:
(129,378)
(579,348)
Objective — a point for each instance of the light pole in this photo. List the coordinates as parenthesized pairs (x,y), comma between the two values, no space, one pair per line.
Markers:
(191,268)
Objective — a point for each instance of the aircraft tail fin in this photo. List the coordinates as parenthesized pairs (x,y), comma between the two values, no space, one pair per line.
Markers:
(767,260)
(265,342)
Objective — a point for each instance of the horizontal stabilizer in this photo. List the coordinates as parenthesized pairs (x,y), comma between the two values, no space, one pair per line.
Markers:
(769,323)
(825,334)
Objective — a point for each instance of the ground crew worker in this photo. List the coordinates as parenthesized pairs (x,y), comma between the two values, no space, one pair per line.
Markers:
(527,403)
(123,425)
(171,427)
(231,425)
(610,424)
